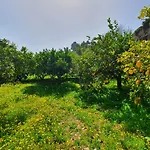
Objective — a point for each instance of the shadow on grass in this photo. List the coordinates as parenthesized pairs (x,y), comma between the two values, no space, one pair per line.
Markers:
(136,119)
(116,107)
(57,88)
(108,98)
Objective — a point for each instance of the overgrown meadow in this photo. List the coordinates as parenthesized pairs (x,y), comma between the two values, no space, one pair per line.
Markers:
(57,116)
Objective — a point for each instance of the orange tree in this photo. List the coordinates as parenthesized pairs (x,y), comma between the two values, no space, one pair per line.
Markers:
(97,62)
(136,65)
(84,68)
(14,64)
(107,48)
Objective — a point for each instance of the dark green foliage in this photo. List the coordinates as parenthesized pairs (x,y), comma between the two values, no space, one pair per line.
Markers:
(108,48)
(17,65)
(24,64)
(97,63)
(14,64)
(53,63)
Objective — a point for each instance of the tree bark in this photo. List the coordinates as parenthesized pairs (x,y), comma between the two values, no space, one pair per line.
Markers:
(119,82)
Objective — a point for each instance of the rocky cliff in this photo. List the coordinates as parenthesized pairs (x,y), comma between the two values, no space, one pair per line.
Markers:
(143,32)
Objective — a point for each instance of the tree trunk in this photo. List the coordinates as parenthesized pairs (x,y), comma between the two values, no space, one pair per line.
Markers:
(119,81)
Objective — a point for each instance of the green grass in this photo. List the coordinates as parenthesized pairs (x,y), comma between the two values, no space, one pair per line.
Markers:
(58,116)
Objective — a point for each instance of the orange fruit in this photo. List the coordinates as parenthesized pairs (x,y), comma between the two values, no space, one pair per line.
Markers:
(147,73)
(141,70)
(131,72)
(134,70)
(138,82)
(138,63)
(137,100)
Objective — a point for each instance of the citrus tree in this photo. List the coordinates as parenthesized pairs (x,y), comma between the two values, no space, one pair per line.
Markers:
(107,48)
(7,56)
(136,65)
(14,64)
(97,63)
(52,62)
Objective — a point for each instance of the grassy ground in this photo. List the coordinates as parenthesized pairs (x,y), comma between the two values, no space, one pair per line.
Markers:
(57,116)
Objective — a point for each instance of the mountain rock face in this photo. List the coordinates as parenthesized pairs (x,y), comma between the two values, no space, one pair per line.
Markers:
(143,32)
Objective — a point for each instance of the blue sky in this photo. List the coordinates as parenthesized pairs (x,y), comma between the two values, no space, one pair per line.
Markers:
(39,24)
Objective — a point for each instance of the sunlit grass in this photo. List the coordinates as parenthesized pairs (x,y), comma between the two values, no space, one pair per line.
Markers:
(53,116)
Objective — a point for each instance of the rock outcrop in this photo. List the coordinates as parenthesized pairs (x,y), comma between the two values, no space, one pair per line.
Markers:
(143,32)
